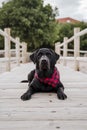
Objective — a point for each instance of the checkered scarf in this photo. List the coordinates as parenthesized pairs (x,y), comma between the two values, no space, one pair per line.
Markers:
(53,81)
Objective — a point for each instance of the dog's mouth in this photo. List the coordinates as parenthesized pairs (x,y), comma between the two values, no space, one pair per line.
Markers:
(44,65)
(44,69)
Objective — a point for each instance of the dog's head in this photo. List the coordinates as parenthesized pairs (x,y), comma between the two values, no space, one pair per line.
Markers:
(44,58)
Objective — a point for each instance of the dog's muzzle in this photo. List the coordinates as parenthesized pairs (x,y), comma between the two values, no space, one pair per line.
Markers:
(44,63)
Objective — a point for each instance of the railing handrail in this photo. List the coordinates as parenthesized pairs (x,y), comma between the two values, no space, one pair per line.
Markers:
(20,49)
(10,37)
(76,50)
(72,50)
(73,37)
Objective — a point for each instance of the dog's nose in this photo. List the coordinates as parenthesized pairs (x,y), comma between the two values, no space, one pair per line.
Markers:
(44,61)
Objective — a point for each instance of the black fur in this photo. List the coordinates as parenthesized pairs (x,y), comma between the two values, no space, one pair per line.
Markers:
(45,60)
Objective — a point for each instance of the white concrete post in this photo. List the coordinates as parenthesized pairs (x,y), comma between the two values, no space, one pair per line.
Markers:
(7,49)
(24,52)
(76,48)
(57,48)
(18,51)
(65,51)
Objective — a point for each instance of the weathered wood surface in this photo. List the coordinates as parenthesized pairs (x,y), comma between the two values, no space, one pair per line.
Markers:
(44,111)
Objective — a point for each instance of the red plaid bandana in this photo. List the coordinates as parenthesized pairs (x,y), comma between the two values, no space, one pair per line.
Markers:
(53,81)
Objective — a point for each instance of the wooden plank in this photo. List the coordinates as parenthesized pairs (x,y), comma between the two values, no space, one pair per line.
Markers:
(68,78)
(43,114)
(14,85)
(16,93)
(42,102)
(25,85)
(20,73)
(43,109)
(43,125)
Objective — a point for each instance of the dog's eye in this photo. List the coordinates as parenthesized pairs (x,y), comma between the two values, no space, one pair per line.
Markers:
(48,54)
(40,54)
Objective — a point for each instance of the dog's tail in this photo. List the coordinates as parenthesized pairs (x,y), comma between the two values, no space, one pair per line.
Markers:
(24,81)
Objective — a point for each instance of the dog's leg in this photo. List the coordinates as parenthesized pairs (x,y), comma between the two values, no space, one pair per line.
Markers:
(31,75)
(34,86)
(60,92)
(27,95)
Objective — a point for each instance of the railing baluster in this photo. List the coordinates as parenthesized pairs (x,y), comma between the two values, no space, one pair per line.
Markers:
(76,48)
(65,51)
(57,48)
(7,48)
(24,52)
(18,51)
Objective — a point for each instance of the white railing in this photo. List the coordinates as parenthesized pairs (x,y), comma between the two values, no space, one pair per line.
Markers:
(76,38)
(20,49)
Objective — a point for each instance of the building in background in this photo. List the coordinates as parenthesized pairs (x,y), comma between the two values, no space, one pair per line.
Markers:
(67,20)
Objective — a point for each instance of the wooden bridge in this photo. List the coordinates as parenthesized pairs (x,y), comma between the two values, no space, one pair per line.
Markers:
(44,111)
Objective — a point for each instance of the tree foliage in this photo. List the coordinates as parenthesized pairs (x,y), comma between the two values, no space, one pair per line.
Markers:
(31,20)
(35,24)
(67,30)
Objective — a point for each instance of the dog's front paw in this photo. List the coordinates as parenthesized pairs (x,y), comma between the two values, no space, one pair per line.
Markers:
(26,96)
(61,95)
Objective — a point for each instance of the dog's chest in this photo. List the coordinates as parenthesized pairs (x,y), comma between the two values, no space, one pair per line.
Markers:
(53,80)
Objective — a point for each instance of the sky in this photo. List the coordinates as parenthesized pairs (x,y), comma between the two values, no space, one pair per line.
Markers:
(71,8)
(76,9)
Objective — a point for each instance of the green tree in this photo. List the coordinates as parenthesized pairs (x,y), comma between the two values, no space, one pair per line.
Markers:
(33,22)
(67,30)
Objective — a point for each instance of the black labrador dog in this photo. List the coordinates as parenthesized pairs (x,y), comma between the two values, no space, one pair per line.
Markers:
(45,78)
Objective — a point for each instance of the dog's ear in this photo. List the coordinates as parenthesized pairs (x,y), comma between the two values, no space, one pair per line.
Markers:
(33,56)
(57,56)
